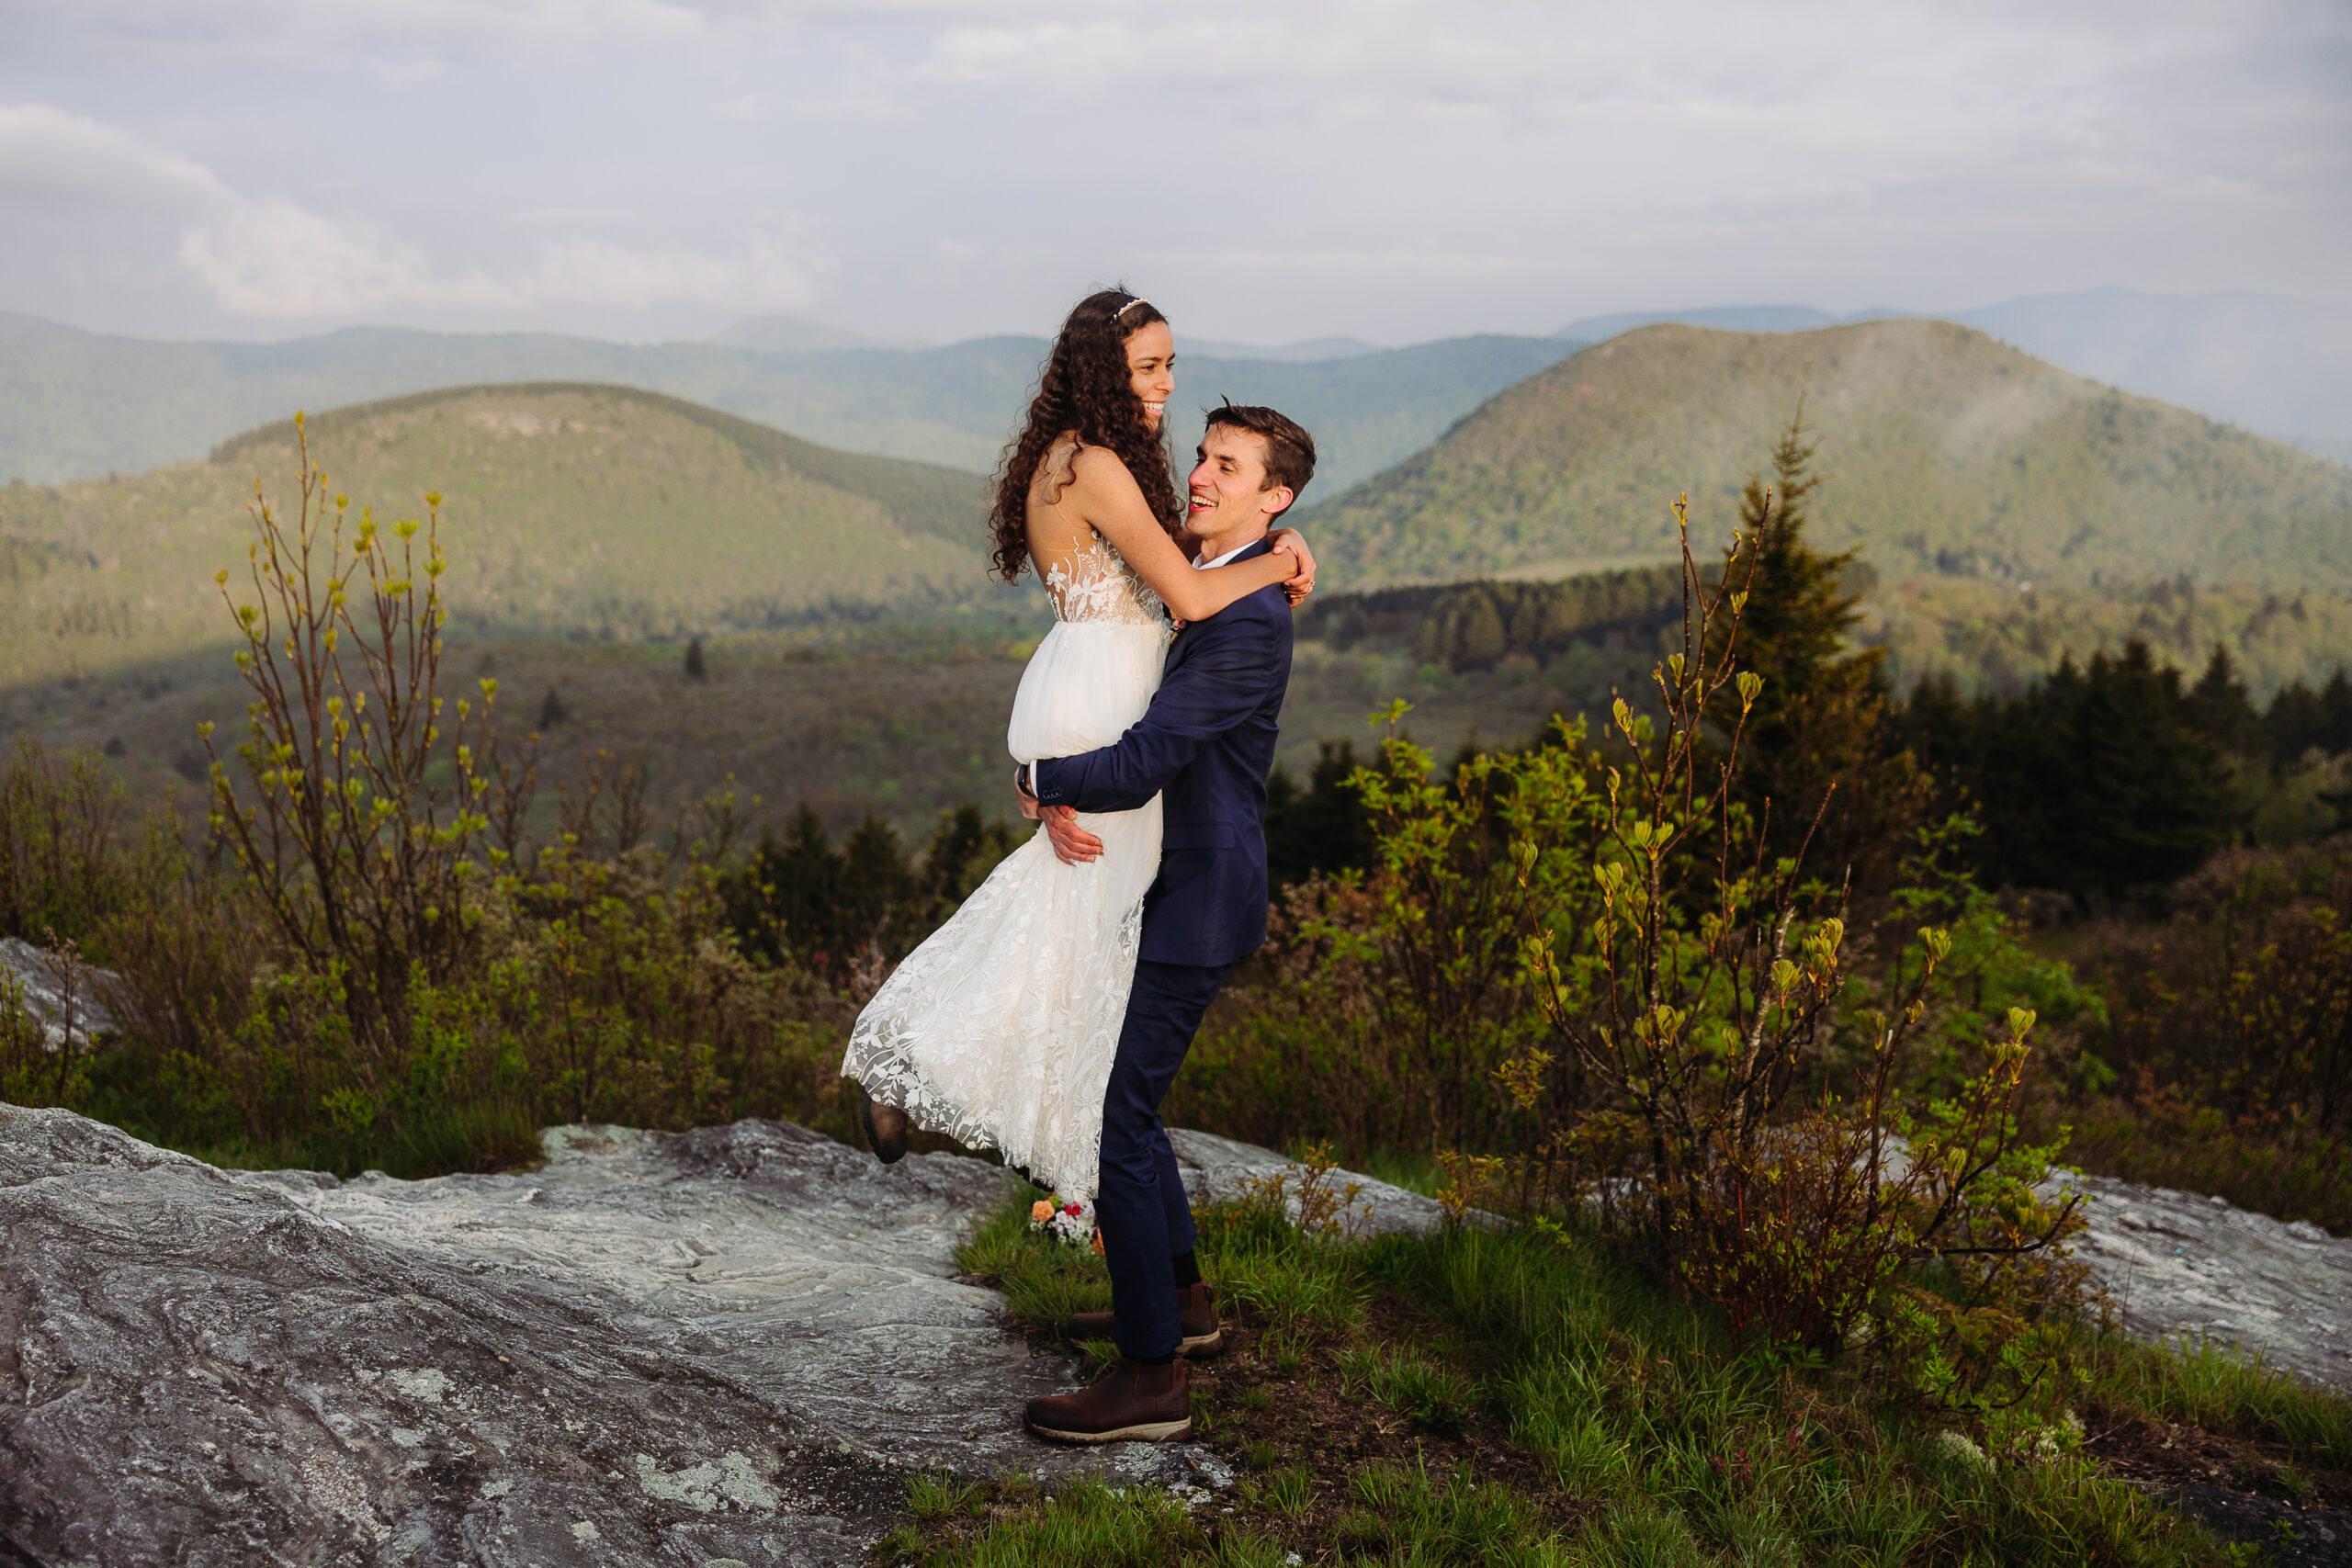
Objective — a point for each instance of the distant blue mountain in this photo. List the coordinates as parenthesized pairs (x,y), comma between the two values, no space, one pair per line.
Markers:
(1722,318)
(792,335)
(1310,351)
(76,404)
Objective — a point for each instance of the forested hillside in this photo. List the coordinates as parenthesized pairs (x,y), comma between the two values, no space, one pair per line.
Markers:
(568,511)
(1948,453)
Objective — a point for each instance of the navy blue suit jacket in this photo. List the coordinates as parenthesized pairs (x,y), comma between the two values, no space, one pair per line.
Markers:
(1205,747)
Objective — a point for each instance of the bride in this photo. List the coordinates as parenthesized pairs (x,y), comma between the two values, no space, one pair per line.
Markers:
(1000,1030)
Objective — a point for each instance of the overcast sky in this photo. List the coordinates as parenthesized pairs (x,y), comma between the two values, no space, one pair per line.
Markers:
(935,169)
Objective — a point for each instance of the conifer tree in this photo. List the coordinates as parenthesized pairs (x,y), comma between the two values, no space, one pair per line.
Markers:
(1823,718)
(2146,797)
(2101,781)
(2218,704)
(1323,827)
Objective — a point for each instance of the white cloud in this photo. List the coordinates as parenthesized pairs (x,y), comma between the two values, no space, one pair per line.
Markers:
(397,39)
(574,215)
(48,153)
(274,259)
(959,165)
(588,273)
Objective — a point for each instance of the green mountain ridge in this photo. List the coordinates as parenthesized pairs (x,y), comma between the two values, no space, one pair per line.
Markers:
(77,405)
(569,510)
(1949,454)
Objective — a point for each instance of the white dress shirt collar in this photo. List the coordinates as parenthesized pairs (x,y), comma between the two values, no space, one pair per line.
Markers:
(1204,565)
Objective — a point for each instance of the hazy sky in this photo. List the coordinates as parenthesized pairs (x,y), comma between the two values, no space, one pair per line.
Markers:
(934,169)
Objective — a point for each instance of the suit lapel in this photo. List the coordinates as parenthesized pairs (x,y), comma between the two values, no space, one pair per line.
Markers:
(1186,636)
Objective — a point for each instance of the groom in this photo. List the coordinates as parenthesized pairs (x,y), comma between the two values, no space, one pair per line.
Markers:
(1205,747)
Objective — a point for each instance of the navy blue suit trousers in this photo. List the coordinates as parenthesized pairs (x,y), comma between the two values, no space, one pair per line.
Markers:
(1140,1205)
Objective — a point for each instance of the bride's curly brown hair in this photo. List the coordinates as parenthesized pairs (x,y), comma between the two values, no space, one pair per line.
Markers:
(1085,388)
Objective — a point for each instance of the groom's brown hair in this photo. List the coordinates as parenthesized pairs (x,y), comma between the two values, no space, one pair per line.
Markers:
(1289,451)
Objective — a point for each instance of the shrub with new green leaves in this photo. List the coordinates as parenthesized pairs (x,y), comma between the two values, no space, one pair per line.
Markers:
(357,816)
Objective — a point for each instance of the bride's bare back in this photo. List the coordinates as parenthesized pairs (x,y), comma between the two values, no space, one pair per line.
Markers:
(1084,574)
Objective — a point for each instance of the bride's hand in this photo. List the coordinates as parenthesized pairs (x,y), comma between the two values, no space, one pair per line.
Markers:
(1291,542)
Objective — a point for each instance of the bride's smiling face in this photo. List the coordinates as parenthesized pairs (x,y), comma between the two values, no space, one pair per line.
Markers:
(1151,369)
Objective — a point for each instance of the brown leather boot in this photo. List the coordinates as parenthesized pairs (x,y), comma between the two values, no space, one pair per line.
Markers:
(886,1128)
(1136,1403)
(1195,1317)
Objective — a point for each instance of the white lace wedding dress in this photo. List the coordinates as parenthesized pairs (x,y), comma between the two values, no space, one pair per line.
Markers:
(998,1031)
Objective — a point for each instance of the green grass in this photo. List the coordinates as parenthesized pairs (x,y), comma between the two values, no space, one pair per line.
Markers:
(2223,1387)
(1399,1512)
(1044,1282)
(1638,1430)
(1436,1397)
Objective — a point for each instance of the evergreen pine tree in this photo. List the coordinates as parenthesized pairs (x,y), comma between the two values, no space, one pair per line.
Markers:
(2145,796)
(1822,718)
(2295,722)
(2336,709)
(1321,828)
(879,902)
(962,853)
(2219,706)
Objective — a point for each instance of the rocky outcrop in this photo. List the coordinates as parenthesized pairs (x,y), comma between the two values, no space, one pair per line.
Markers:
(722,1345)
(2178,1266)
(1221,1170)
(65,997)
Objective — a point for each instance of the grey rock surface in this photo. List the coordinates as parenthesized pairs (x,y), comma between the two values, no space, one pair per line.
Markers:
(730,1344)
(2177,1265)
(1217,1170)
(69,1008)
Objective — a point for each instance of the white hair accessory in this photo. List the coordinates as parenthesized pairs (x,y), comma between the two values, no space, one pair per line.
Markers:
(1130,305)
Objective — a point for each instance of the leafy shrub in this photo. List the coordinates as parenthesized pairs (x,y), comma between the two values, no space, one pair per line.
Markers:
(1385,1001)
(74,855)
(2230,1026)
(1704,990)
(359,819)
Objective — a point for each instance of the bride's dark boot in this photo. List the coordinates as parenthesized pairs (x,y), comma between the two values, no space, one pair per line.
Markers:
(886,1128)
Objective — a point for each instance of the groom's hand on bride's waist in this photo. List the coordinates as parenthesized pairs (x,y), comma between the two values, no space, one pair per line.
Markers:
(1073,845)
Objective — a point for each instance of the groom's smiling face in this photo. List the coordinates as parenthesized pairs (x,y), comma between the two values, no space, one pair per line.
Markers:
(1231,503)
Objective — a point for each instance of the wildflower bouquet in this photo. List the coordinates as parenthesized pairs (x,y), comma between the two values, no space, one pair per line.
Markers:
(1072,1224)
